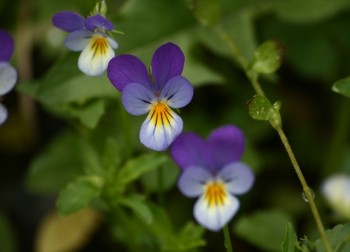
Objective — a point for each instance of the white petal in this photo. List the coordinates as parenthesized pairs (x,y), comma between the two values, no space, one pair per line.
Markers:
(161,127)
(94,58)
(3,114)
(215,216)
(8,78)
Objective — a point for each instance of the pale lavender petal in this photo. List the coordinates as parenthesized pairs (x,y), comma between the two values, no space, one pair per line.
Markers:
(99,22)
(227,145)
(78,40)
(215,217)
(8,78)
(167,62)
(137,99)
(192,181)
(190,150)
(3,114)
(238,177)
(160,128)
(68,21)
(125,69)
(178,92)
(6,45)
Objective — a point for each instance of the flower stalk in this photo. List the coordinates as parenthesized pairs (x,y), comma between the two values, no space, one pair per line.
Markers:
(227,238)
(253,78)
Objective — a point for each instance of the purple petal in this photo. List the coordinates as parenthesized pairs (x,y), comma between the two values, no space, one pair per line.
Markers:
(238,177)
(190,150)
(160,128)
(6,45)
(68,21)
(178,92)
(227,145)
(8,78)
(78,40)
(125,69)
(98,21)
(167,62)
(137,99)
(192,181)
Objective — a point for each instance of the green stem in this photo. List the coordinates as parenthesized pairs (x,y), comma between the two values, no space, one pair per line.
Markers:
(253,77)
(307,191)
(227,237)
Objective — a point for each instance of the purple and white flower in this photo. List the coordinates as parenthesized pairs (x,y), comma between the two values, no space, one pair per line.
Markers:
(88,36)
(156,96)
(213,173)
(8,75)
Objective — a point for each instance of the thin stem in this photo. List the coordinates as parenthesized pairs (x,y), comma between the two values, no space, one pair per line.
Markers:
(253,77)
(227,238)
(309,195)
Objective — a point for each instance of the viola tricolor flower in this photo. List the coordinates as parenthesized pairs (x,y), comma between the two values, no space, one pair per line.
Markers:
(212,171)
(8,75)
(89,36)
(154,95)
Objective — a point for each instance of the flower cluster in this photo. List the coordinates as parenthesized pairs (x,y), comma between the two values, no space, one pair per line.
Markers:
(8,75)
(154,95)
(212,171)
(89,36)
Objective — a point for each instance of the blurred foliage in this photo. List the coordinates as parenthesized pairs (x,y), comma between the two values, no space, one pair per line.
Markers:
(86,151)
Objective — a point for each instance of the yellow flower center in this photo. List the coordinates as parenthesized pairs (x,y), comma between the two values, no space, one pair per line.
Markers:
(215,193)
(99,44)
(161,114)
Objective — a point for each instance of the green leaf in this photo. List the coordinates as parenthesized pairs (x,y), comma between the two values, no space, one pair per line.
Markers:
(206,11)
(136,167)
(342,86)
(137,204)
(339,238)
(265,229)
(7,235)
(78,194)
(111,156)
(56,165)
(88,114)
(267,58)
(290,239)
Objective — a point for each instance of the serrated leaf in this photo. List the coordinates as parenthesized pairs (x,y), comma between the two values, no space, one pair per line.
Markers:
(339,238)
(267,58)
(290,238)
(342,86)
(134,168)
(56,165)
(88,114)
(265,229)
(136,203)
(78,194)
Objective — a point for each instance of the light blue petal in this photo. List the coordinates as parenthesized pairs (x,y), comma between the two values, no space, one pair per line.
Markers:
(214,217)
(78,40)
(192,181)
(3,114)
(160,128)
(178,92)
(238,178)
(137,99)
(8,78)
